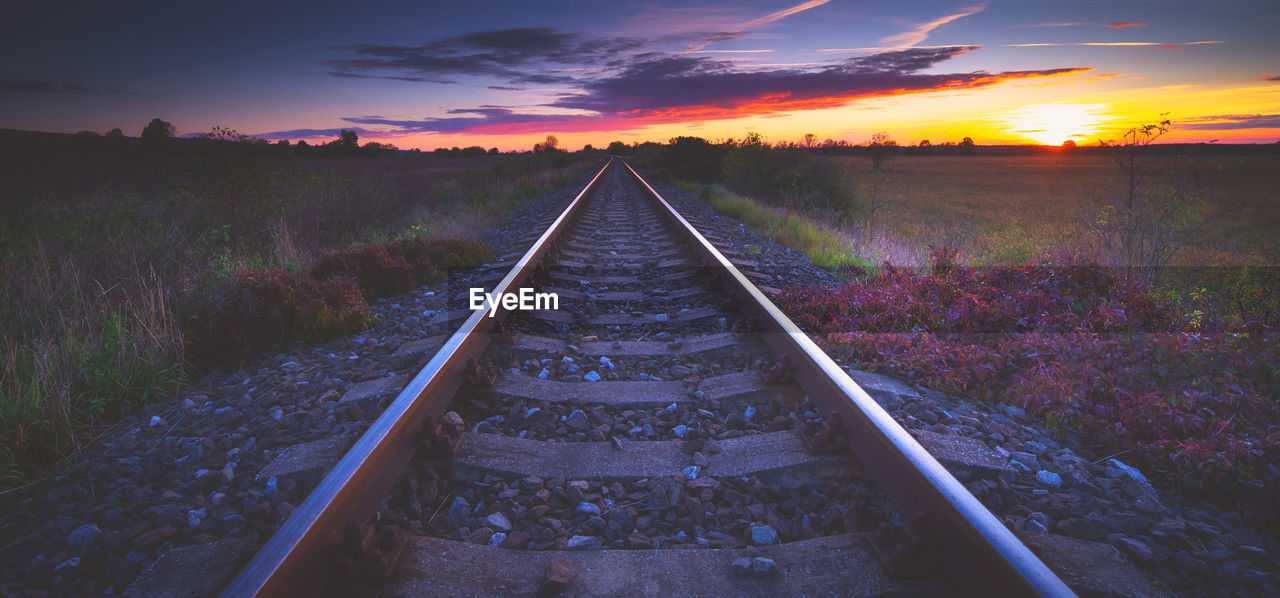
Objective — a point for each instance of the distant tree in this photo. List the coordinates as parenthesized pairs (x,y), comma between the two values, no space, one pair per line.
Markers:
(588,149)
(493,151)
(548,146)
(283,144)
(87,133)
(691,158)
(348,142)
(303,149)
(115,142)
(155,137)
(881,148)
(924,148)
(753,139)
(617,148)
(966,146)
(809,139)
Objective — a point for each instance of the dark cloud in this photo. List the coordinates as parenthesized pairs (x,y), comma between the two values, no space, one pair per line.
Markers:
(672,85)
(625,83)
(660,87)
(502,120)
(1232,121)
(309,133)
(40,87)
(390,77)
(510,54)
(1275,78)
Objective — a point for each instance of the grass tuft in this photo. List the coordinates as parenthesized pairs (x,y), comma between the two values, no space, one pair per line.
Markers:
(824,247)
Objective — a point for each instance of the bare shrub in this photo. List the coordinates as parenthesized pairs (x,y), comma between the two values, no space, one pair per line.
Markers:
(1141,224)
(880,148)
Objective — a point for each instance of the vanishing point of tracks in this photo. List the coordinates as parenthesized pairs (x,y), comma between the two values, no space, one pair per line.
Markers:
(684,438)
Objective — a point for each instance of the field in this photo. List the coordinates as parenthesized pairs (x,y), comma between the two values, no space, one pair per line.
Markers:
(1014,208)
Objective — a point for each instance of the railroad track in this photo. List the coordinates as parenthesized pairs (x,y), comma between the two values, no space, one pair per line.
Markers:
(665,431)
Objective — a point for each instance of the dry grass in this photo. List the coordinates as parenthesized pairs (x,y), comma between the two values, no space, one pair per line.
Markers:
(1014,208)
(98,251)
(823,245)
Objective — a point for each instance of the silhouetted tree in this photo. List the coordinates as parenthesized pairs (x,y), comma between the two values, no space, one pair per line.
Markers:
(924,147)
(347,143)
(548,146)
(493,151)
(155,137)
(880,148)
(617,148)
(303,148)
(966,146)
(691,158)
(115,142)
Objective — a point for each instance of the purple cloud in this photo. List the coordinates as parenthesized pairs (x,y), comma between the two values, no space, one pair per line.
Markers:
(1232,121)
(40,87)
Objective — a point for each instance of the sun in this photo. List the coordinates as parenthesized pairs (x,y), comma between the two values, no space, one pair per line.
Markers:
(1052,124)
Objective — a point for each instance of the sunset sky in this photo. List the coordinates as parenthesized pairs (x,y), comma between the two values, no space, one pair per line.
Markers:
(506,74)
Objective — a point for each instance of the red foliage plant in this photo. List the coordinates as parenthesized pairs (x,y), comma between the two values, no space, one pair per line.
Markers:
(1088,352)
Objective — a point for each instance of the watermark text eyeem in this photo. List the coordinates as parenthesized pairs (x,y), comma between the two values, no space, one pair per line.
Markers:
(524,300)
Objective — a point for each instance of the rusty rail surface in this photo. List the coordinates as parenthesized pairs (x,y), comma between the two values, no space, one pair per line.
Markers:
(979,552)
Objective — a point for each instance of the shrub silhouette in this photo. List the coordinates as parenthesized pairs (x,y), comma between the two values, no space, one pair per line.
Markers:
(155,137)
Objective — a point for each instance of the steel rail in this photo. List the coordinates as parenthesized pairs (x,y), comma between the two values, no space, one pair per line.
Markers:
(291,563)
(979,550)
